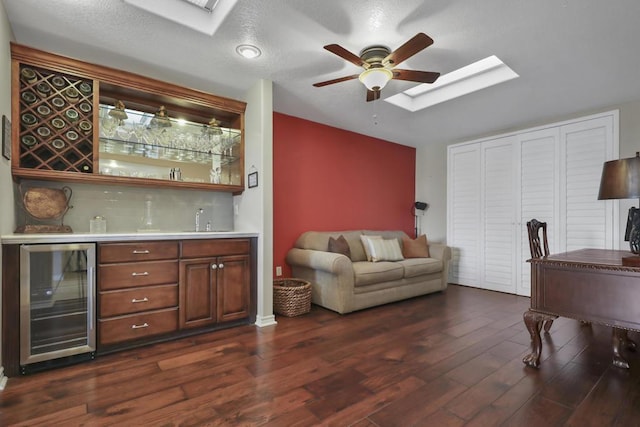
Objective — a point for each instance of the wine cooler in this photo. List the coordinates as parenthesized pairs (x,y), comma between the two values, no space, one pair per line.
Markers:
(57,303)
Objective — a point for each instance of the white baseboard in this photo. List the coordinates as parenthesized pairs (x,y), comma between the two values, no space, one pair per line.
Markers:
(262,321)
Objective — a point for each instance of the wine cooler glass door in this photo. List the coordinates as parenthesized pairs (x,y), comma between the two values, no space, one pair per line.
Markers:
(57,303)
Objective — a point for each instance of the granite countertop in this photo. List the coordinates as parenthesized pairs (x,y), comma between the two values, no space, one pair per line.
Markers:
(117,237)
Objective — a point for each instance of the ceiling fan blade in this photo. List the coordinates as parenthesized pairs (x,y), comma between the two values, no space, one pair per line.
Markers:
(341,79)
(411,47)
(346,55)
(372,95)
(415,76)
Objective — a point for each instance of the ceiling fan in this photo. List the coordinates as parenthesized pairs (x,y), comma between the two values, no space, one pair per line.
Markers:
(379,62)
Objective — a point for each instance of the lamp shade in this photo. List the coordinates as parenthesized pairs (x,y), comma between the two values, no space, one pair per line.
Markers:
(375,78)
(620,179)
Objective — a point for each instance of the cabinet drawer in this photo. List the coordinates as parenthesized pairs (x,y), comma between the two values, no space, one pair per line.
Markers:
(131,275)
(137,251)
(214,247)
(137,326)
(114,303)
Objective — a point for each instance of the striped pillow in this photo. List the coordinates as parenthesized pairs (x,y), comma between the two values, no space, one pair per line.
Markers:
(385,250)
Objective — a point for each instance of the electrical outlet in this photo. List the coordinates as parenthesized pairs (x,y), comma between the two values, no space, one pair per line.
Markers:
(278,271)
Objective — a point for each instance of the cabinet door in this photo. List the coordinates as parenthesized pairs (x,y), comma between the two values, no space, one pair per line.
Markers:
(197,293)
(233,287)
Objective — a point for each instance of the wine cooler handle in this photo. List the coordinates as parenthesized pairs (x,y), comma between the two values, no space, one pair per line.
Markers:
(144,325)
(90,296)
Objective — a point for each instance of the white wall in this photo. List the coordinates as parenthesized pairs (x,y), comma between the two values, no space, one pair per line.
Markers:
(431,187)
(7,220)
(431,169)
(255,205)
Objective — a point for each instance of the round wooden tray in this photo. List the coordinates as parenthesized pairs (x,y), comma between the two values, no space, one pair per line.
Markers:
(46,203)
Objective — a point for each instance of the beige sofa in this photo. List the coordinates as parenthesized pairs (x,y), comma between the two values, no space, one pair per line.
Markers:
(345,284)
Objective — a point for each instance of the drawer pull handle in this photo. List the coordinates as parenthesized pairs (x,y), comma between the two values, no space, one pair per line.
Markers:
(145,299)
(144,325)
(134,274)
(144,251)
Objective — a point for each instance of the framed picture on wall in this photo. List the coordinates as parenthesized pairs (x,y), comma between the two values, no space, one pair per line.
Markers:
(6,137)
(253,179)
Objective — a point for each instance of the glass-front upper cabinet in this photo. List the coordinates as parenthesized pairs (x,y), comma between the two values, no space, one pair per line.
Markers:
(75,121)
(161,145)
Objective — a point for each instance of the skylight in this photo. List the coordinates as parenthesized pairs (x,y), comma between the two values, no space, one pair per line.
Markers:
(479,75)
(207,5)
(205,18)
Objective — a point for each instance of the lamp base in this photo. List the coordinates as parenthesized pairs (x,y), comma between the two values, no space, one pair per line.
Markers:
(631,261)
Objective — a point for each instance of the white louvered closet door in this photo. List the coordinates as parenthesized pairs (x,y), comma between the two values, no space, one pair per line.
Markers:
(463,203)
(539,194)
(498,271)
(552,173)
(587,220)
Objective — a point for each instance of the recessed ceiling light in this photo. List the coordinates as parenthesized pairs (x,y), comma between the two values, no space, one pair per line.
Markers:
(479,75)
(248,51)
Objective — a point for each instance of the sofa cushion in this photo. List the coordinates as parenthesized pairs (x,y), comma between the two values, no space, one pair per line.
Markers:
(417,248)
(385,250)
(369,273)
(366,244)
(339,246)
(319,241)
(414,267)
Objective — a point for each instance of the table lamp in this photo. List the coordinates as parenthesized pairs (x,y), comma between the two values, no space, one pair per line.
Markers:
(621,180)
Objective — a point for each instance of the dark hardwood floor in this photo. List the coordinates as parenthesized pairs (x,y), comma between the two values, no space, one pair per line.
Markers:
(448,359)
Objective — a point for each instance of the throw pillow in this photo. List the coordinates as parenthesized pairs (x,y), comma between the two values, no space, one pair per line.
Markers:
(385,250)
(366,242)
(339,246)
(417,248)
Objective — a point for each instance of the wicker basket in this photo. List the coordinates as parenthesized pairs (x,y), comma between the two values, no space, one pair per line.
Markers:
(291,297)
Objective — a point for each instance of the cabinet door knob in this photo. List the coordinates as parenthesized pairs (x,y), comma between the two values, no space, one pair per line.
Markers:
(145,299)
(214,266)
(220,265)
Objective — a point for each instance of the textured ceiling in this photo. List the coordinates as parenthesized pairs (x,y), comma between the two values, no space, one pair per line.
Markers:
(573,56)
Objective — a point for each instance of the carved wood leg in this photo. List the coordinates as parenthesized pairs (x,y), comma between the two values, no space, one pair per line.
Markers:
(619,339)
(534,321)
(547,325)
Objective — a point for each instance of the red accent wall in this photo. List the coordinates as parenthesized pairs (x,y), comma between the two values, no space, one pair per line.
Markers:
(332,179)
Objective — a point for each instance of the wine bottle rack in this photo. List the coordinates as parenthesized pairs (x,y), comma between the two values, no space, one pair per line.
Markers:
(56,121)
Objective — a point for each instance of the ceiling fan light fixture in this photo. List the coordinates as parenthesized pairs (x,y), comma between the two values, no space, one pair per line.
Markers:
(375,78)
(248,51)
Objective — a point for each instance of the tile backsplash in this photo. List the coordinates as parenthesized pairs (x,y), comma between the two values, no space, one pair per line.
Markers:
(124,207)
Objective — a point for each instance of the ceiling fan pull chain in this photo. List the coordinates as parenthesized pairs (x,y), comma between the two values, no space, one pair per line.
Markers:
(375,113)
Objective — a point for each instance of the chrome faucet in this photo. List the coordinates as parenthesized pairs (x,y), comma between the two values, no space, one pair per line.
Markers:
(198,212)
